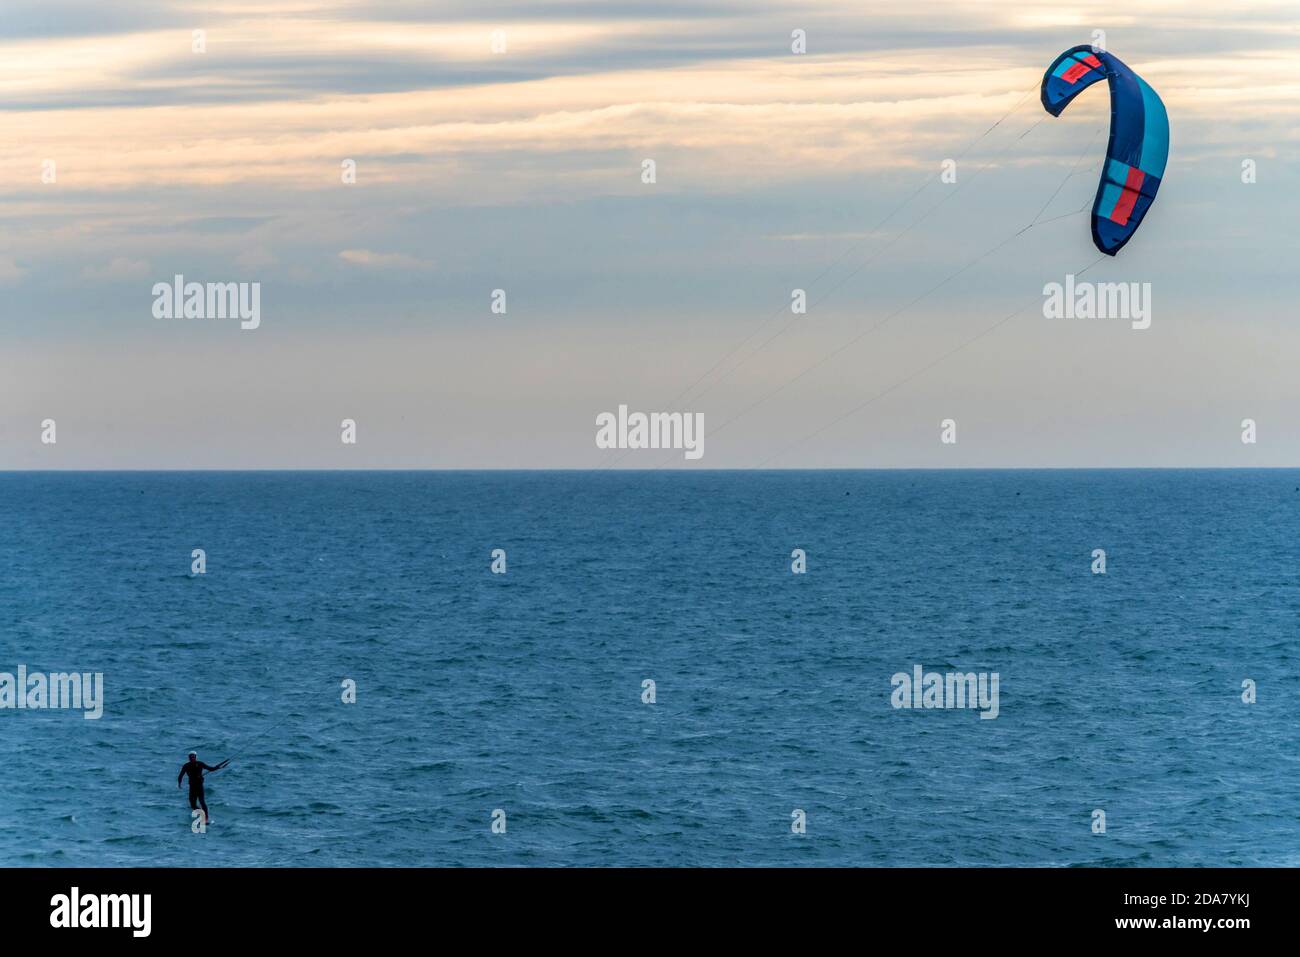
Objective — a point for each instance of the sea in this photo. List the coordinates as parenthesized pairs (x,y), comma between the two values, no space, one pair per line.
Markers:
(641,668)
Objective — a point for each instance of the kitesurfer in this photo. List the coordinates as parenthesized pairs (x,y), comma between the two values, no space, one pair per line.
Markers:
(195,768)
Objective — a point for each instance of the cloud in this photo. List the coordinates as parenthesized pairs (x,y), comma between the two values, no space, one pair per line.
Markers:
(374,260)
(710,124)
(119,268)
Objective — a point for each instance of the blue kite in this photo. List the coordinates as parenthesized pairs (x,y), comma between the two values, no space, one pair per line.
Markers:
(1139,139)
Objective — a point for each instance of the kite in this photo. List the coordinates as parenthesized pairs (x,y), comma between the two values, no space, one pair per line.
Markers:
(1139,139)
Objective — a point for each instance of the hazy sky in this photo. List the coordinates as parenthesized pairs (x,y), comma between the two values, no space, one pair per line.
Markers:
(521,170)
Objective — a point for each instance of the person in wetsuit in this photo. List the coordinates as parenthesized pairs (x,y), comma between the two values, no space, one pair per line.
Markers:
(195,768)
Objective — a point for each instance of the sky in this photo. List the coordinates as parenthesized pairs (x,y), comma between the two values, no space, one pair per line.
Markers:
(503,146)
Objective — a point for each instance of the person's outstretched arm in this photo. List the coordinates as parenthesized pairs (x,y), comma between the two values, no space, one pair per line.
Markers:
(218,767)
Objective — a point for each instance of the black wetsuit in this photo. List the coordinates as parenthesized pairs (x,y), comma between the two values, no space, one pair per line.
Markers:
(195,770)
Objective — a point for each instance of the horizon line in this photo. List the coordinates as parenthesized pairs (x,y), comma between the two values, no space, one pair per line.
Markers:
(629,471)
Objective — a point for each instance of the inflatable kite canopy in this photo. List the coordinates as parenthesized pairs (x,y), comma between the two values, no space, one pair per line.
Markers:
(1139,139)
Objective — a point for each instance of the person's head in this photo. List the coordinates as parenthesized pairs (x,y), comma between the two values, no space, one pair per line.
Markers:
(193,756)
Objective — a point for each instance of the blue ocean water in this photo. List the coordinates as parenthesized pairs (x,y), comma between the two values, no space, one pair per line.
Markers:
(523,691)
